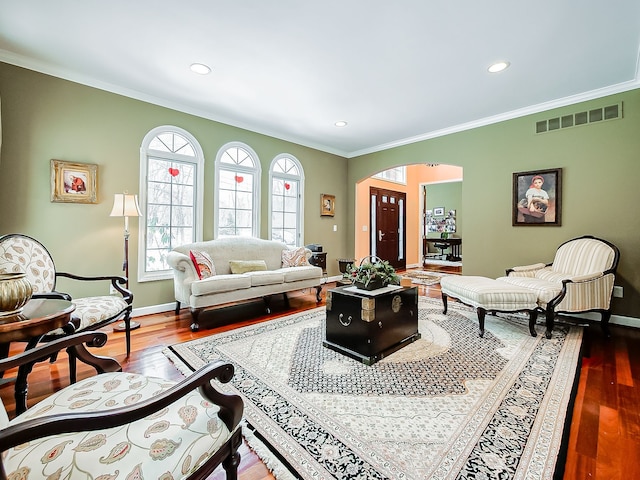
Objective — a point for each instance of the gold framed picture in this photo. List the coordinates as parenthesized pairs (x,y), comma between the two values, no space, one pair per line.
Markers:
(73,182)
(327,205)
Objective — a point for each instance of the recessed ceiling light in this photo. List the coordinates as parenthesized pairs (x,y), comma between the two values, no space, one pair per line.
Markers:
(200,68)
(498,67)
(341,123)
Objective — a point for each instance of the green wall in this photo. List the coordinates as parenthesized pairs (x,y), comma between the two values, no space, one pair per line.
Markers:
(601,168)
(46,118)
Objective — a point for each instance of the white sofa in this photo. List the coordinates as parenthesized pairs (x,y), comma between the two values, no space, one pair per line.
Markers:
(225,287)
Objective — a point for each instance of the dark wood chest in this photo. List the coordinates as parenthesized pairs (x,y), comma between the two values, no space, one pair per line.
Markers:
(370,326)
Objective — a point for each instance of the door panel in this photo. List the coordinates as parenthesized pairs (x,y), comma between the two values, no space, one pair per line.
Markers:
(387,220)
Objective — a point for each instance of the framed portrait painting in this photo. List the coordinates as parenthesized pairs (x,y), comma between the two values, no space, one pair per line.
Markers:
(537,198)
(73,182)
(327,205)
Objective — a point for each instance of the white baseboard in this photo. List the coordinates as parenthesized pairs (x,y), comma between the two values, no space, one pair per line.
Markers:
(167,307)
(615,319)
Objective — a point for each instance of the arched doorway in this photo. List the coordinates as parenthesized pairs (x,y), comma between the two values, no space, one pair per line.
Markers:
(416,176)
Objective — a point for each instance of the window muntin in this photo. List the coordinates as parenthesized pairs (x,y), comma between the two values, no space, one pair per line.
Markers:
(286,184)
(396,174)
(237,193)
(171,198)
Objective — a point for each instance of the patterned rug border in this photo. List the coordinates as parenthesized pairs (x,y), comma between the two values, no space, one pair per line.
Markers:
(460,460)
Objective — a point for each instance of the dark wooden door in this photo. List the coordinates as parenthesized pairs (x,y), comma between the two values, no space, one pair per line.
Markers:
(387,225)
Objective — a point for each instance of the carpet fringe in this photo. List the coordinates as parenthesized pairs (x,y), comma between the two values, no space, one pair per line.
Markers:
(271,461)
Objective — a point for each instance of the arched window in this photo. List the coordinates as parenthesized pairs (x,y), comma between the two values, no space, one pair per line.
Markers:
(286,194)
(237,192)
(171,197)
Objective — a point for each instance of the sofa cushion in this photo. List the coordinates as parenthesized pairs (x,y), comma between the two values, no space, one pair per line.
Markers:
(294,257)
(551,276)
(294,274)
(265,277)
(244,266)
(202,263)
(542,288)
(220,283)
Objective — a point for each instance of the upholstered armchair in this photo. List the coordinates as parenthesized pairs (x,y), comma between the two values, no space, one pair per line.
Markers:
(122,425)
(21,253)
(580,279)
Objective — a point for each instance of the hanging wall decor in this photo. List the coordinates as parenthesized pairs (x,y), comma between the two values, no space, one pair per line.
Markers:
(537,197)
(73,182)
(327,205)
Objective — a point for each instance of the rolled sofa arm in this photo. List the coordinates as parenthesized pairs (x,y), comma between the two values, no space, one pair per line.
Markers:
(525,270)
(184,274)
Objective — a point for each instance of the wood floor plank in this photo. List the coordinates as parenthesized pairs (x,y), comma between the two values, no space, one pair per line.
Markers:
(608,457)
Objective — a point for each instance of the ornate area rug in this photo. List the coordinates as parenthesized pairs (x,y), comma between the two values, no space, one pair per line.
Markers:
(422,277)
(450,405)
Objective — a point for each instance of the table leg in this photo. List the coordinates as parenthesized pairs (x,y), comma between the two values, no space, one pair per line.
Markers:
(4,353)
(22,386)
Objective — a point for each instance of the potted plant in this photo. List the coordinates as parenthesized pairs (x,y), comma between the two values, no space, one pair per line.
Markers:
(372,273)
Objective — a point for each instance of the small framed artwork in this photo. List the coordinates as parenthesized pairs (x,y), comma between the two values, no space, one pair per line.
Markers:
(537,197)
(327,205)
(73,182)
(438,211)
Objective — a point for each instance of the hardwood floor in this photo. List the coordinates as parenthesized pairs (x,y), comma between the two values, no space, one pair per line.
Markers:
(604,442)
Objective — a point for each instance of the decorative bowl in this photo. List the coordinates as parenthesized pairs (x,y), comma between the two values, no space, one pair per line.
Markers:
(15,292)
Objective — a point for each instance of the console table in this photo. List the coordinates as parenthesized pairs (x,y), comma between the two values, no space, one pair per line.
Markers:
(454,243)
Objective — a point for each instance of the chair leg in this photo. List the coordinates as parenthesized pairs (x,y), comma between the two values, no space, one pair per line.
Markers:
(481,314)
(533,315)
(231,463)
(177,307)
(127,331)
(604,323)
(195,313)
(73,366)
(550,314)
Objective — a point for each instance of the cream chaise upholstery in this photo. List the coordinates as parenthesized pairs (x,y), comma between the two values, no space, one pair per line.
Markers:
(122,425)
(580,279)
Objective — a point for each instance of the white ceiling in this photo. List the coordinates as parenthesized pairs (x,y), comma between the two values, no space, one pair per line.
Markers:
(397,72)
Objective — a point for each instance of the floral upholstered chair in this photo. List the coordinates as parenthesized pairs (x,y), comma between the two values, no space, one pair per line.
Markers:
(122,425)
(20,253)
(580,279)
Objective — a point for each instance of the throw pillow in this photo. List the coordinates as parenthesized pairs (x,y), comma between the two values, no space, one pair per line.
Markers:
(202,263)
(244,266)
(294,257)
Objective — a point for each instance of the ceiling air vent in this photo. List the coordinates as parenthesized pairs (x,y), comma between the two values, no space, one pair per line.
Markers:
(612,112)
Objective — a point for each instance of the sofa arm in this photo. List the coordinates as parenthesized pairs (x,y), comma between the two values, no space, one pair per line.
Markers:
(525,270)
(184,274)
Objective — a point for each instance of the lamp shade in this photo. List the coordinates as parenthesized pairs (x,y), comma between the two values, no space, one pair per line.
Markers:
(125,205)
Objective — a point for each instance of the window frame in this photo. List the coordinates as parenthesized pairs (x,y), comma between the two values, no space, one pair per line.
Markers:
(256,171)
(300,179)
(198,162)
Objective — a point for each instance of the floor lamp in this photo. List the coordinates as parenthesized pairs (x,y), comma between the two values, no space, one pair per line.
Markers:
(126,206)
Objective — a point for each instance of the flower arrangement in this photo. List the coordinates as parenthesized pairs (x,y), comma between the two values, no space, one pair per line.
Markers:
(372,273)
